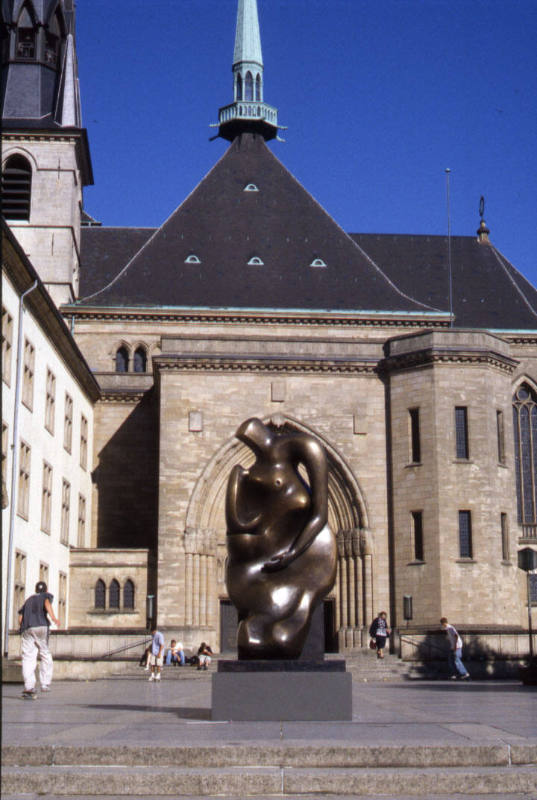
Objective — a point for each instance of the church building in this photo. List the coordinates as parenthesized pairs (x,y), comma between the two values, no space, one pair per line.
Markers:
(251,301)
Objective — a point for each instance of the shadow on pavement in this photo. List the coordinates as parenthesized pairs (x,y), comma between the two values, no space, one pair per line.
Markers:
(182,713)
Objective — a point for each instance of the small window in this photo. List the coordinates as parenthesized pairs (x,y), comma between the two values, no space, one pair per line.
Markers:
(62,598)
(461,433)
(83,442)
(7,345)
(255,262)
(50,401)
(258,87)
(250,187)
(192,259)
(239,88)
(100,594)
(415,442)
(122,360)
(140,360)
(68,423)
(28,375)
(128,594)
(46,498)
(23,499)
(318,262)
(81,530)
(465,534)
(113,594)
(505,536)
(16,188)
(417,534)
(66,510)
(249,87)
(501,437)
(533,589)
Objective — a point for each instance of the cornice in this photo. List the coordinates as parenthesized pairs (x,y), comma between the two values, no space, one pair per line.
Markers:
(121,396)
(257,317)
(428,358)
(264,364)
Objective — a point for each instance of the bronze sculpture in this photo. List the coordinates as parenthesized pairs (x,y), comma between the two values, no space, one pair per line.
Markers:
(281,553)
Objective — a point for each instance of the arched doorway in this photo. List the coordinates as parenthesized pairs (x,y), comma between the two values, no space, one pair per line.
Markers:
(205,543)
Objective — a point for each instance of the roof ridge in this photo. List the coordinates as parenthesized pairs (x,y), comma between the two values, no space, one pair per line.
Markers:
(502,262)
(156,232)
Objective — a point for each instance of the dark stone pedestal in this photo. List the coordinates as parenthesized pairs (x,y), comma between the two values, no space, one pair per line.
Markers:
(281,690)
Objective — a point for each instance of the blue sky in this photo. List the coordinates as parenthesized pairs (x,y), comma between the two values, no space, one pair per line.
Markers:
(379,96)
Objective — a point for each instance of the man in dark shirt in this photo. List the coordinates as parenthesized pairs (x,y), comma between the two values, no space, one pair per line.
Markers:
(34,621)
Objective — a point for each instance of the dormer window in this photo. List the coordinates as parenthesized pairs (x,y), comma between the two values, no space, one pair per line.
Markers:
(192,259)
(250,187)
(318,262)
(255,261)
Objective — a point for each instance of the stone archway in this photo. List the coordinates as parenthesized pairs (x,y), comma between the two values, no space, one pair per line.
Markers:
(205,538)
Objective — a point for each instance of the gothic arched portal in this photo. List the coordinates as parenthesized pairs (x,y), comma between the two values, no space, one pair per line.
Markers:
(205,539)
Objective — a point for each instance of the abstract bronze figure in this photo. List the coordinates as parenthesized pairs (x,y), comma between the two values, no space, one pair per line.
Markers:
(281,553)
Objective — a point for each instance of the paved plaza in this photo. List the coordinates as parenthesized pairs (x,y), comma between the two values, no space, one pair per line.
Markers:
(139,724)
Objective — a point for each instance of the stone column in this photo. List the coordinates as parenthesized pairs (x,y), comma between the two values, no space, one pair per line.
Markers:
(188,589)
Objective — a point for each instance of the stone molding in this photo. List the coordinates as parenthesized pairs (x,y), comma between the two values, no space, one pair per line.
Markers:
(428,358)
(269,364)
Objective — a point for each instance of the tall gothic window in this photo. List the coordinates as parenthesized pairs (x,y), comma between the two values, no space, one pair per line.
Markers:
(100,594)
(26,36)
(122,360)
(249,87)
(128,594)
(239,87)
(140,360)
(16,188)
(525,435)
(258,87)
(113,594)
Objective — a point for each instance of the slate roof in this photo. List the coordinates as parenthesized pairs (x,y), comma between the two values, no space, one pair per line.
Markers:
(488,292)
(282,225)
(225,227)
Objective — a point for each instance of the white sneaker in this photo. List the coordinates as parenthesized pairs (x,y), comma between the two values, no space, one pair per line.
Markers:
(151,677)
(45,688)
(158,677)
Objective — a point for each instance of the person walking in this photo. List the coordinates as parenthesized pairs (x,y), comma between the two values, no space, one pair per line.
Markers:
(458,670)
(156,657)
(380,632)
(34,622)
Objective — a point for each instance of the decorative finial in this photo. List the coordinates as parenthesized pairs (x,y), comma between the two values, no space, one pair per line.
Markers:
(248,113)
(482,231)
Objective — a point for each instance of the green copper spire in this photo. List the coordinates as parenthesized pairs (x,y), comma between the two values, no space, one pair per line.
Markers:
(248,112)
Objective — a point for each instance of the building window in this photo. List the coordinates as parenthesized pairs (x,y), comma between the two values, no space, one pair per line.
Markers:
(28,375)
(258,87)
(52,42)
(83,442)
(128,594)
(16,188)
(248,87)
(417,534)
(239,88)
(113,594)
(23,500)
(50,402)
(525,435)
(62,599)
(5,445)
(19,586)
(122,360)
(461,433)
(68,424)
(415,443)
(505,536)
(100,594)
(7,344)
(81,535)
(66,508)
(140,360)
(533,589)
(465,534)
(25,48)
(43,572)
(501,437)
(46,498)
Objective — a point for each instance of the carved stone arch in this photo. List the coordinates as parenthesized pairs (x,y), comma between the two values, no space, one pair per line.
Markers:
(347,506)
(347,515)
(524,378)
(19,150)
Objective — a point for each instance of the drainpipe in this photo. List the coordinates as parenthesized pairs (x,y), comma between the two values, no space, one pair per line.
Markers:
(14,467)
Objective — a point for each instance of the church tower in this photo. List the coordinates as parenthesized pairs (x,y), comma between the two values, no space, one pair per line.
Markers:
(45,153)
(248,113)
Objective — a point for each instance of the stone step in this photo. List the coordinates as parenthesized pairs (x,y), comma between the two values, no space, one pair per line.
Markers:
(266,755)
(262,781)
(458,796)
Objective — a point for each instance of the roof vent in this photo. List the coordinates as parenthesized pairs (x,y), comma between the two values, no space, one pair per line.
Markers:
(192,259)
(250,187)
(255,262)
(317,262)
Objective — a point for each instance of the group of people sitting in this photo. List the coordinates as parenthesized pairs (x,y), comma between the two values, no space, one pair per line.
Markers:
(175,655)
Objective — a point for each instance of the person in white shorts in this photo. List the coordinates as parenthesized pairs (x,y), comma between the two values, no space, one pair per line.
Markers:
(34,622)
(156,656)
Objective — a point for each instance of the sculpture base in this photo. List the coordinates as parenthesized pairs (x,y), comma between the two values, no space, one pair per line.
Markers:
(291,691)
